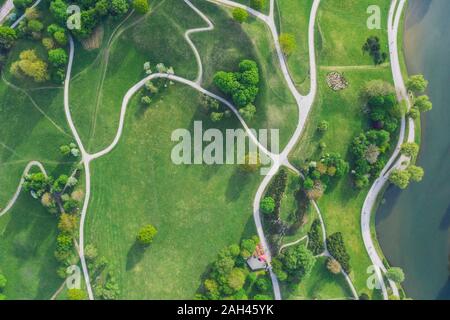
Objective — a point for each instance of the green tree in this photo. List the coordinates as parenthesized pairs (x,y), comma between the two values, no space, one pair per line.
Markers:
(377,88)
(146,234)
(262,284)
(35,26)
(423,103)
(240,15)
(216,116)
(212,289)
(141,6)
(76,294)
(67,223)
(417,84)
(58,9)
(297,262)
(396,274)
(414,113)
(8,37)
(90,252)
(61,38)
(236,279)
(410,149)
(31,66)
(287,43)
(58,57)
(268,205)
(257,4)
(416,173)
(119,7)
(248,112)
(400,178)
(146,100)
(65,150)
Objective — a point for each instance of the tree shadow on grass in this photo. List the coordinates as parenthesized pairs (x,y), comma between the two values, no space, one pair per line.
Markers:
(135,255)
(236,184)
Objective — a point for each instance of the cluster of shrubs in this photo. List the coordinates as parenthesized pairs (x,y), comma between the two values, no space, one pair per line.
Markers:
(315,242)
(336,247)
(373,47)
(214,109)
(318,175)
(153,87)
(369,149)
(242,86)
(230,278)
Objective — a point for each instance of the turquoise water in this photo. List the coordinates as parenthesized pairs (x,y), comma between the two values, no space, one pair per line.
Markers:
(413,225)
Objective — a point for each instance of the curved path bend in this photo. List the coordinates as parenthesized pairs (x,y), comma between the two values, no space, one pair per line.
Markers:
(30,165)
(188,33)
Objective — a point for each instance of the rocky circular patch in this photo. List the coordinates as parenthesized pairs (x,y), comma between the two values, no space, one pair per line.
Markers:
(336,81)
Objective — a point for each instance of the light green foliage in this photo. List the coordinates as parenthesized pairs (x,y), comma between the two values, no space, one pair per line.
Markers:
(268,205)
(240,15)
(76,294)
(400,178)
(141,6)
(257,4)
(395,274)
(410,149)
(146,234)
(8,37)
(417,83)
(287,43)
(58,57)
(416,173)
(423,103)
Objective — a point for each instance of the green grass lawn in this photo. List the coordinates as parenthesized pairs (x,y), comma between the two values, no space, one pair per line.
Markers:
(322,285)
(342,32)
(293,17)
(197,209)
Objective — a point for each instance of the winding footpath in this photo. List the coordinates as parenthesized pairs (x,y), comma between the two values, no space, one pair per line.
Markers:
(6,10)
(30,165)
(395,161)
(304,104)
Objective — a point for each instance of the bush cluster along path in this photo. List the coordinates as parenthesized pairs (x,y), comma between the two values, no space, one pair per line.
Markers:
(304,104)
